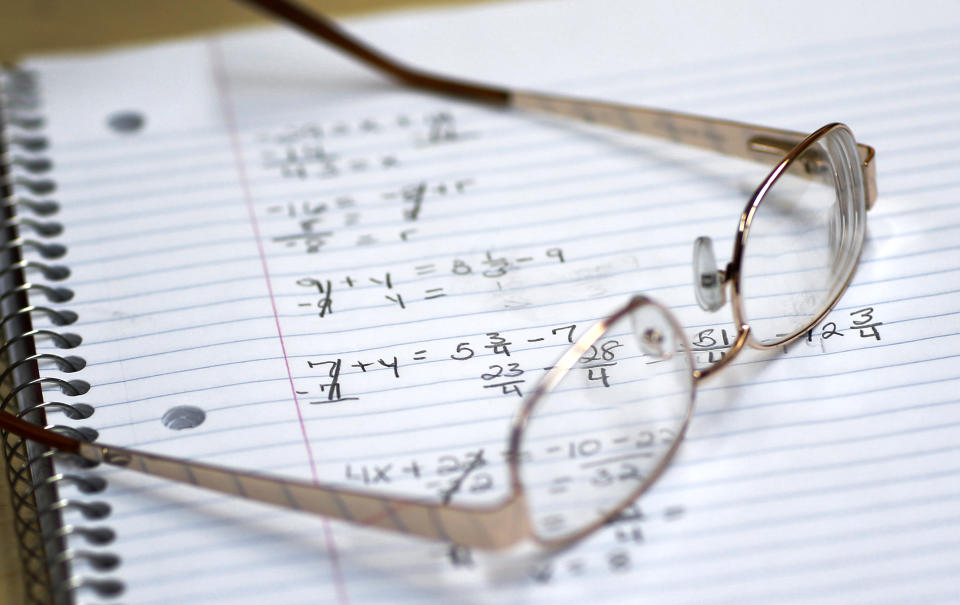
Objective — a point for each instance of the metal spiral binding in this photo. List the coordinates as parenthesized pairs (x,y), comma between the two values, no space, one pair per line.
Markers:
(50,550)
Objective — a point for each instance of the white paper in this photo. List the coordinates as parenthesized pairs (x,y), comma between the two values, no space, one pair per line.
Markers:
(829,472)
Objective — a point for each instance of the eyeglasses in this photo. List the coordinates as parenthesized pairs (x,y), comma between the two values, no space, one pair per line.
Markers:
(584,446)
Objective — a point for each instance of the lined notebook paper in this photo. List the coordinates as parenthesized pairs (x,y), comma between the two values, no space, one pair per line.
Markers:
(329,267)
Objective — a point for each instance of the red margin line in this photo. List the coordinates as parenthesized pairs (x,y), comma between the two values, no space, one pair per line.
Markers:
(223,92)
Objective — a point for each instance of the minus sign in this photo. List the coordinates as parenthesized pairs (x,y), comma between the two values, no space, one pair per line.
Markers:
(534,339)
(305,305)
(549,368)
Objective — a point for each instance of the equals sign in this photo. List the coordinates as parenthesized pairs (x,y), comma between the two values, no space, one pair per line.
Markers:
(426,269)
(419,355)
(432,293)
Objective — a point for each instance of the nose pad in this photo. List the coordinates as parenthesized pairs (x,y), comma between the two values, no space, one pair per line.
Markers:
(653,343)
(654,333)
(707,279)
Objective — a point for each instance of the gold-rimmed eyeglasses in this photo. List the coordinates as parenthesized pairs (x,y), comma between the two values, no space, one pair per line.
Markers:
(797,245)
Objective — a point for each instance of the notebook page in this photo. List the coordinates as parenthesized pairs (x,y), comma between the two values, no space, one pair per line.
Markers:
(327,266)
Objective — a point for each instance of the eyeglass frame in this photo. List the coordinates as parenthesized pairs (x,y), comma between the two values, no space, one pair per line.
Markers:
(506,523)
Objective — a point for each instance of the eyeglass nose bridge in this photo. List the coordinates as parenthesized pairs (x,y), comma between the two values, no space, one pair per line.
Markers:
(707,278)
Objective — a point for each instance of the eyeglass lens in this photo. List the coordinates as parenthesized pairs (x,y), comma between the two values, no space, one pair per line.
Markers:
(593,441)
(804,239)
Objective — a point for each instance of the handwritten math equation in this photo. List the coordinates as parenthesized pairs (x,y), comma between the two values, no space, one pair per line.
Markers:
(620,537)
(315,151)
(310,225)
(500,366)
(399,287)
(497,360)
(451,474)
(711,344)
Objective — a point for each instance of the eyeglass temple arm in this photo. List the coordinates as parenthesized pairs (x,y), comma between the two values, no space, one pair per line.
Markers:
(494,527)
(748,141)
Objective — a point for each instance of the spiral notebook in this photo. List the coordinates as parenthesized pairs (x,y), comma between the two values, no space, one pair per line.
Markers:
(247,250)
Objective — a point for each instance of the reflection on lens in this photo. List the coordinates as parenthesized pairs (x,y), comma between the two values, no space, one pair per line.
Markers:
(804,239)
(609,426)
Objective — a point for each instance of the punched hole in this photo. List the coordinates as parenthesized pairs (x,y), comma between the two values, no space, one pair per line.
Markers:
(46,229)
(126,122)
(56,272)
(79,411)
(95,511)
(105,588)
(72,363)
(39,187)
(102,561)
(183,417)
(50,251)
(87,434)
(30,143)
(74,411)
(79,387)
(27,122)
(33,164)
(39,207)
(91,484)
(68,340)
(59,295)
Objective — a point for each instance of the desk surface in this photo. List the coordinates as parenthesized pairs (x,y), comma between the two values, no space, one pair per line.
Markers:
(52,25)
(62,25)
